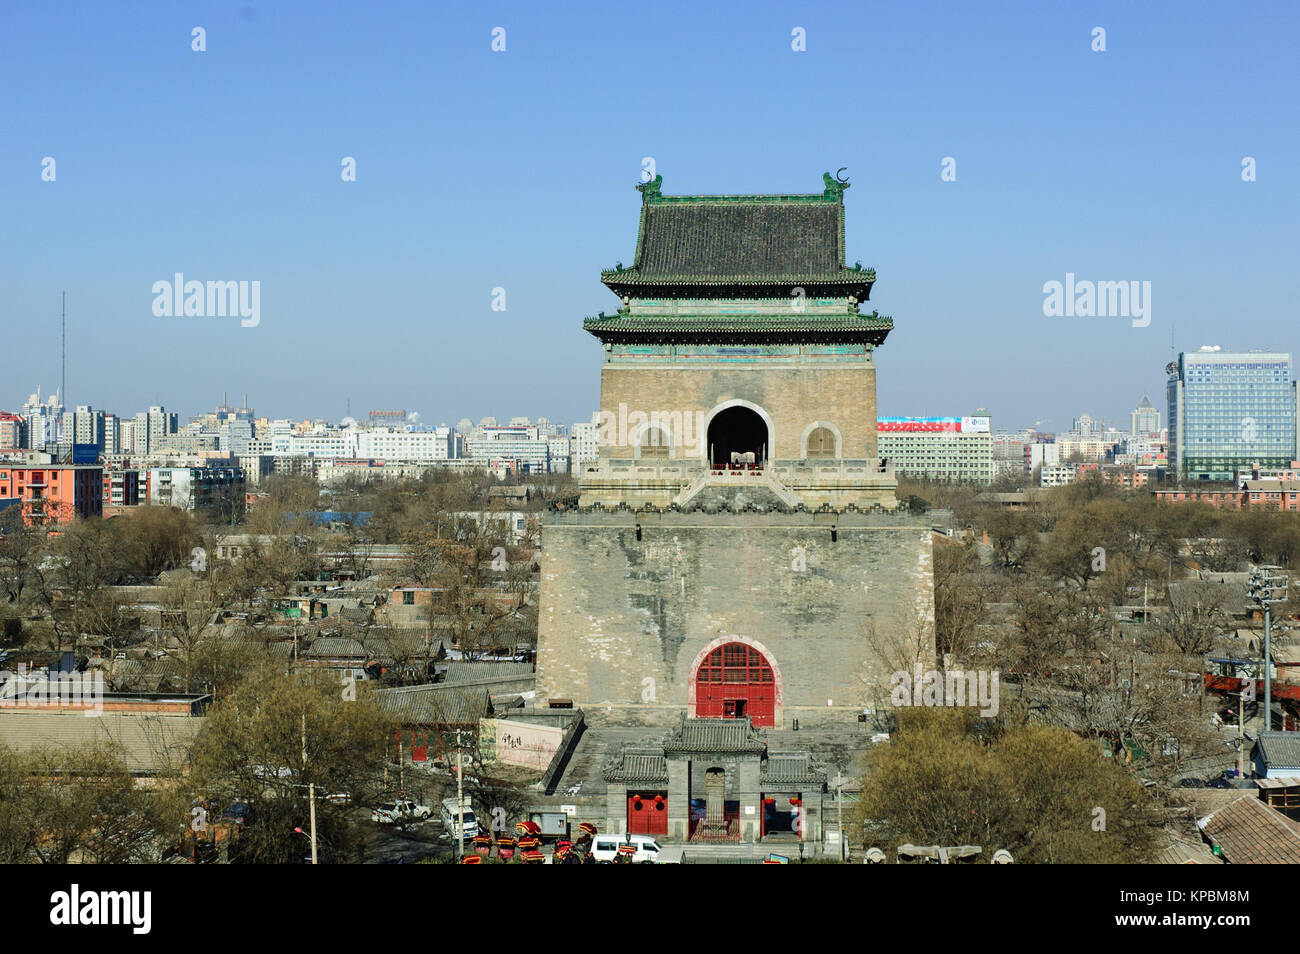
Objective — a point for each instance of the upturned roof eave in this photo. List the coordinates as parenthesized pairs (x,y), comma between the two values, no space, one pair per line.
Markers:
(633,278)
(871,326)
(875,340)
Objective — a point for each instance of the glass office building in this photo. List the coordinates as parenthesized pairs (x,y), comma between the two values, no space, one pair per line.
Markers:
(1230,410)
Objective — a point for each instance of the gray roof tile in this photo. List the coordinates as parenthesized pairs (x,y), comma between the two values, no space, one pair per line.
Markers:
(1249,832)
(1280,750)
(714,735)
(435,705)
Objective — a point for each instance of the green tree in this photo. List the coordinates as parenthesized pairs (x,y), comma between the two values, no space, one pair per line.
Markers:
(80,804)
(1035,791)
(272,737)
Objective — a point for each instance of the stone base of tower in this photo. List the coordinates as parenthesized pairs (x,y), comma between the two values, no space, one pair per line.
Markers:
(776,485)
(775,616)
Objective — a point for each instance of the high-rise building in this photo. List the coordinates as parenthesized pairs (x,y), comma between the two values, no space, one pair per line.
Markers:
(1085,425)
(112,434)
(1145,419)
(88,426)
(162,425)
(1229,410)
(152,430)
(126,437)
(235,435)
(42,419)
(13,432)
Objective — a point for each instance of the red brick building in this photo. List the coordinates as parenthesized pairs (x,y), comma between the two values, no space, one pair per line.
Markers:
(1229,499)
(121,488)
(1271,494)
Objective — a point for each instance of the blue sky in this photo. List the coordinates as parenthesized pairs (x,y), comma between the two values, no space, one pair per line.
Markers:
(478,170)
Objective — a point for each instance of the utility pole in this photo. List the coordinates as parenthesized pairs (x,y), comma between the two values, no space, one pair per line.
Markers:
(460,797)
(839,810)
(311,790)
(1268,585)
(1241,732)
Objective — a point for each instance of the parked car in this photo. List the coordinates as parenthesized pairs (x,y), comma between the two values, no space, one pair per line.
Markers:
(399,811)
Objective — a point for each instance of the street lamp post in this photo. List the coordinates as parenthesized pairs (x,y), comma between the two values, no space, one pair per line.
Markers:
(460,797)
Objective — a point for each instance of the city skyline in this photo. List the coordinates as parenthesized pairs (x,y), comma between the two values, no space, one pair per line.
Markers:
(382,289)
(418,419)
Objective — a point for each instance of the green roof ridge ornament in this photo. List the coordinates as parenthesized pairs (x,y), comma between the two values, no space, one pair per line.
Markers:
(835,186)
(652,190)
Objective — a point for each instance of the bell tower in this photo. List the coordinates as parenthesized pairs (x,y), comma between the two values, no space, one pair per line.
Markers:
(737,551)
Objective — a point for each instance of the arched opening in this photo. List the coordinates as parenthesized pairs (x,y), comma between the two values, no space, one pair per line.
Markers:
(738,439)
(734,681)
(821,443)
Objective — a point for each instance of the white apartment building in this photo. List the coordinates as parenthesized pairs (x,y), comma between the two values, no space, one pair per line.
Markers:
(559,450)
(1041,455)
(320,444)
(1056,475)
(586,441)
(441,443)
(938,448)
(511,443)
(196,488)
(1088,449)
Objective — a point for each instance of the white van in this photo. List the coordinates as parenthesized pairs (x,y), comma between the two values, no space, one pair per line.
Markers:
(452,814)
(605,848)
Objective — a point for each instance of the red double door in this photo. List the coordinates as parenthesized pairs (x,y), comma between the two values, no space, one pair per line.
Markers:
(647,813)
(734,681)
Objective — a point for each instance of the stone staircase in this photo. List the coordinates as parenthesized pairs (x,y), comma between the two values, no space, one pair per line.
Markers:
(734,491)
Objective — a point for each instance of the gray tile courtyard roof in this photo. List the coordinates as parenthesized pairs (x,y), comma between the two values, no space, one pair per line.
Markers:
(435,705)
(714,735)
(147,742)
(790,768)
(1280,750)
(146,675)
(465,672)
(342,647)
(1178,850)
(637,765)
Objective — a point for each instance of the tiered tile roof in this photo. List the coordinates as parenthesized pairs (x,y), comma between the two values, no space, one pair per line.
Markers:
(746,245)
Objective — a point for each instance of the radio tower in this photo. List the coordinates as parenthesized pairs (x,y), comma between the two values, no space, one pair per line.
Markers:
(63,376)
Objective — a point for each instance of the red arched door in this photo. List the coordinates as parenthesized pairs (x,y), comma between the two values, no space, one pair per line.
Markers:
(733,681)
